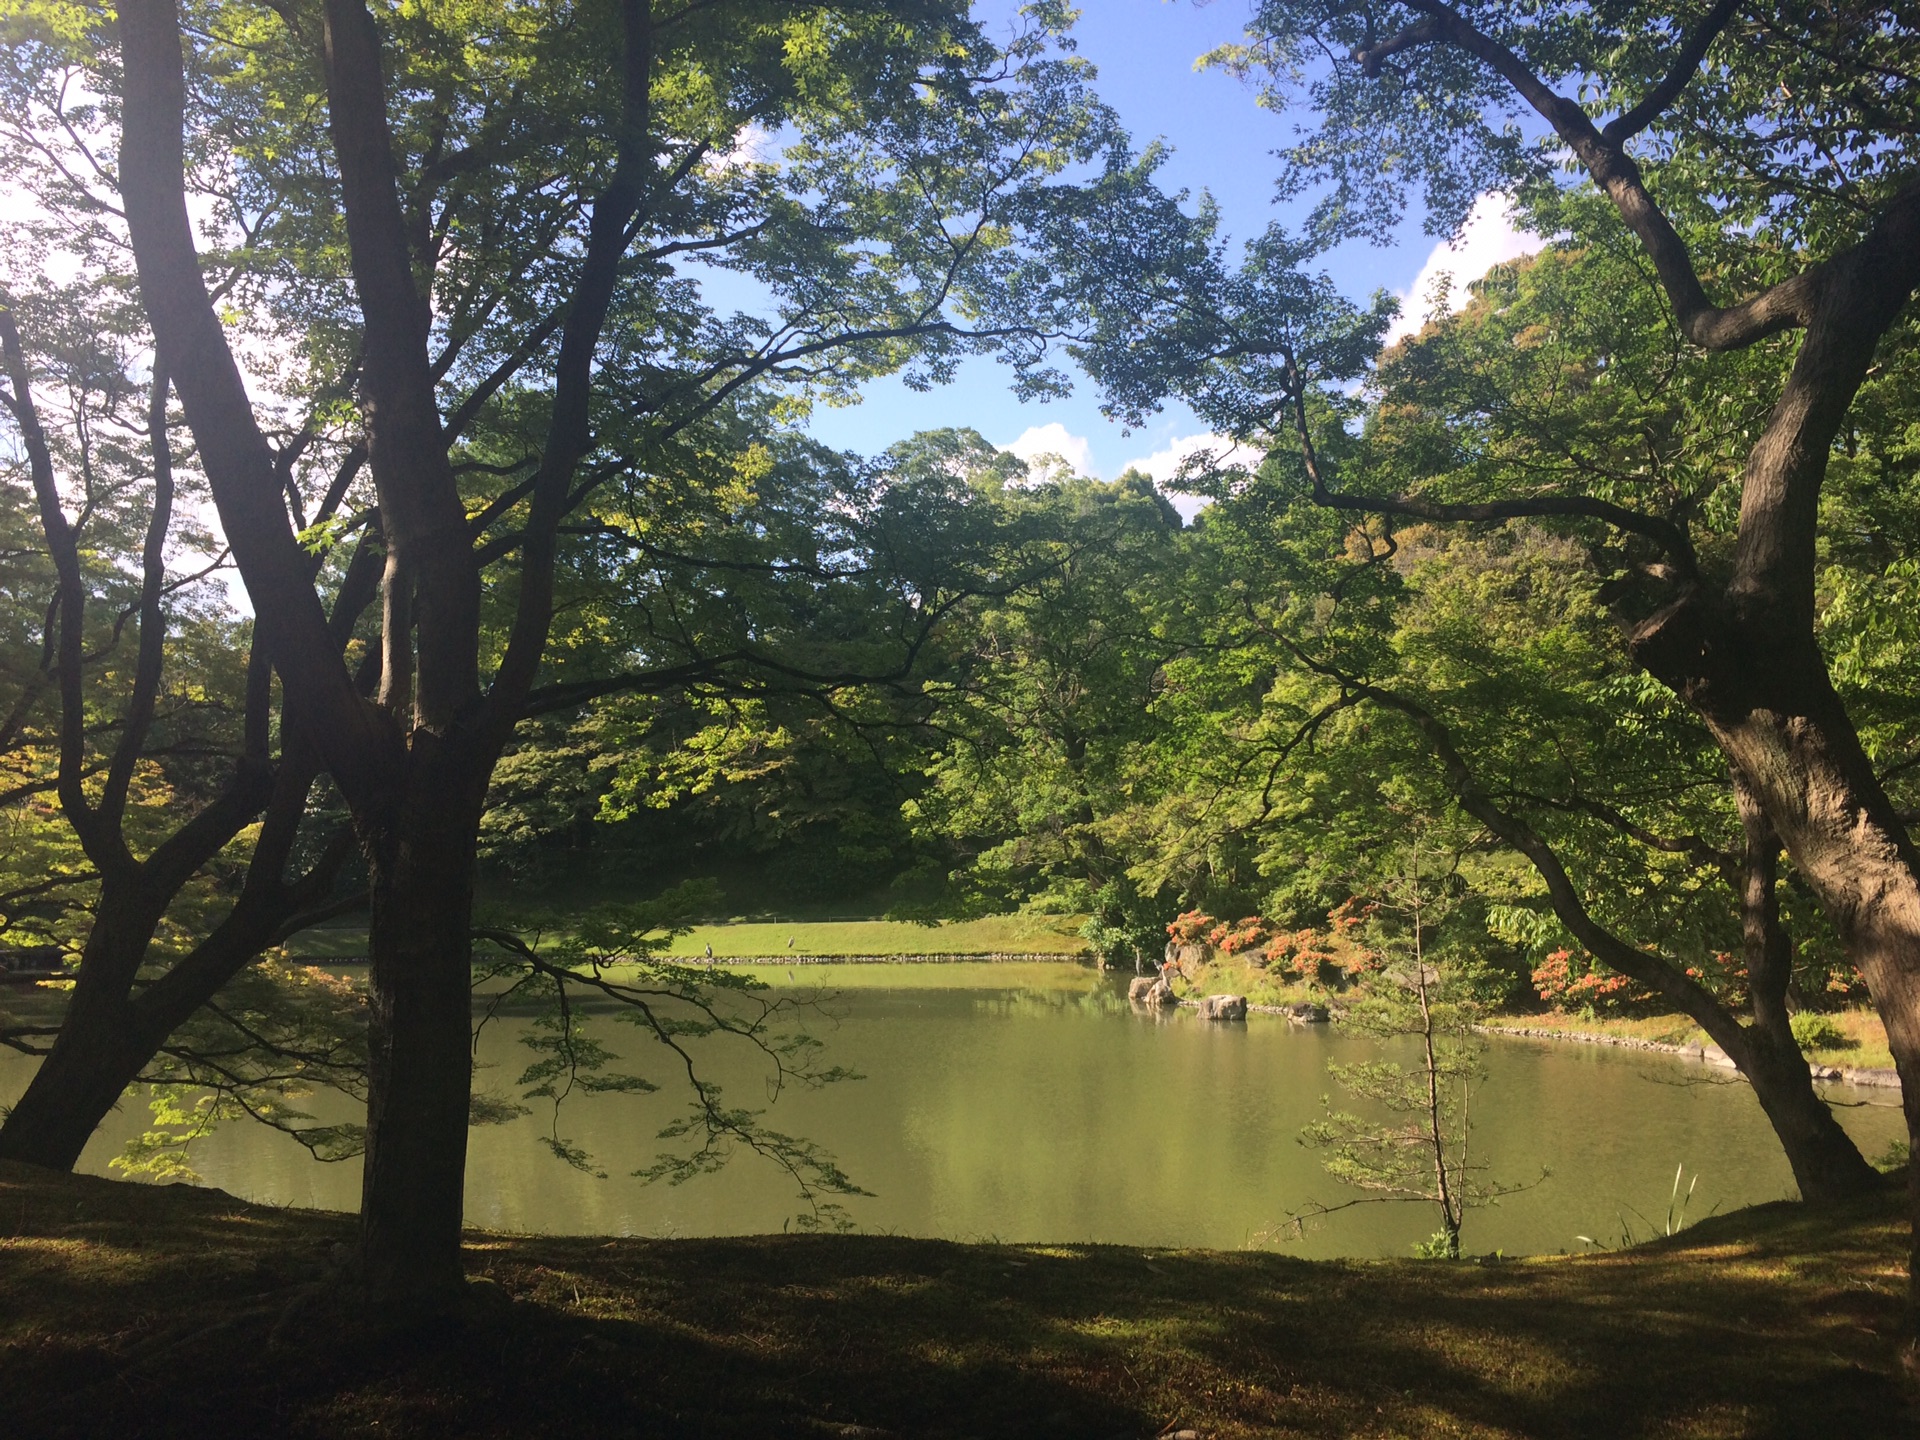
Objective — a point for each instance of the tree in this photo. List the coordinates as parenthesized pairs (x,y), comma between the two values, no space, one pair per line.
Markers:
(130,739)
(1422,1151)
(1048,690)
(1766,157)
(1490,649)
(522,340)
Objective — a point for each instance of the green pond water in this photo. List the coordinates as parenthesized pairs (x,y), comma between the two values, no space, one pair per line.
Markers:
(1030,1103)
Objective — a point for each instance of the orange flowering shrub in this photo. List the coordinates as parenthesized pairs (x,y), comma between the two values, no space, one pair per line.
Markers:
(1564,986)
(1292,954)
(1191,928)
(1344,924)
(1725,976)
(1246,934)
(1296,953)
(1846,982)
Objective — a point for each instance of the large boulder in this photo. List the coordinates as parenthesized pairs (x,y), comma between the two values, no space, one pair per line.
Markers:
(1186,955)
(1224,1007)
(1152,990)
(1308,1012)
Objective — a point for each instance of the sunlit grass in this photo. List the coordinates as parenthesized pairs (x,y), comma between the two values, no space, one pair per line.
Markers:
(995,935)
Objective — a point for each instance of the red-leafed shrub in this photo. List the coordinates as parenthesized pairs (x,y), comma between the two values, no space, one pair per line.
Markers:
(1725,976)
(1192,927)
(1296,953)
(1344,925)
(1845,981)
(1568,984)
(1247,934)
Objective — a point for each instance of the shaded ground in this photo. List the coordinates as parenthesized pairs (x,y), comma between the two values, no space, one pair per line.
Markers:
(133,1311)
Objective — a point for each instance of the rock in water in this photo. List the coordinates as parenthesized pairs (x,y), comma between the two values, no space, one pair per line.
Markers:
(1307,1013)
(1151,990)
(1224,1007)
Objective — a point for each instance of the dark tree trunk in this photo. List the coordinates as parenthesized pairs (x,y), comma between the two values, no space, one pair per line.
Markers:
(1827,1165)
(100,1050)
(420,1040)
(115,1024)
(416,800)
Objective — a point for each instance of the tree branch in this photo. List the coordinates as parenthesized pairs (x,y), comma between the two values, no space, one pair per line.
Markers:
(1692,51)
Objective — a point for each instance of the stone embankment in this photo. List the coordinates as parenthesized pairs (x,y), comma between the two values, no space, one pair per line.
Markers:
(1866,1076)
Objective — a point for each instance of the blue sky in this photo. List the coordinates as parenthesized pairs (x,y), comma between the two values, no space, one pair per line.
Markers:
(1223,143)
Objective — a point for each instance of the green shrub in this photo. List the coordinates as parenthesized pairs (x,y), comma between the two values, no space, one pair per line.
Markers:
(1819,1032)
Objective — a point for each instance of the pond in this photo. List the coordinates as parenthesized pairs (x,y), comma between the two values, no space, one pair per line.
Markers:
(1029,1103)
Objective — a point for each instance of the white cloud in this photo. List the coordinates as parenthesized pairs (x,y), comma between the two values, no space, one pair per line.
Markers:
(1054,439)
(1039,444)
(753,145)
(1164,465)
(1489,238)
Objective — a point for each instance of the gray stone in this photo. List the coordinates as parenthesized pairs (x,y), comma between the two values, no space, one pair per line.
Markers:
(1307,1012)
(1160,993)
(1137,992)
(1190,953)
(1224,1007)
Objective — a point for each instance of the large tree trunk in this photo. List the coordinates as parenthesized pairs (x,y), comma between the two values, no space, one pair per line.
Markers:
(420,1041)
(1773,710)
(1827,1165)
(100,1050)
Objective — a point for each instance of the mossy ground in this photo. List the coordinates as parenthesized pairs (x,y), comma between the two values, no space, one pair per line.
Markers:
(132,1311)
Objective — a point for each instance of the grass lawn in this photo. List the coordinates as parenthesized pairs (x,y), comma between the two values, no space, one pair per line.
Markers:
(994,935)
(145,1311)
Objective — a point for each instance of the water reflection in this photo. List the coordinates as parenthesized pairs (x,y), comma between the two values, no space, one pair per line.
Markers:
(1032,1103)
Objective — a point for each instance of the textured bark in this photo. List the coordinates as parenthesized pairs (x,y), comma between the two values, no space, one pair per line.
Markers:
(421,835)
(1827,1165)
(421,1030)
(1772,709)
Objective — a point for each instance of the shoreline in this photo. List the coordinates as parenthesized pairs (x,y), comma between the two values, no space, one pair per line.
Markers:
(1865,1077)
